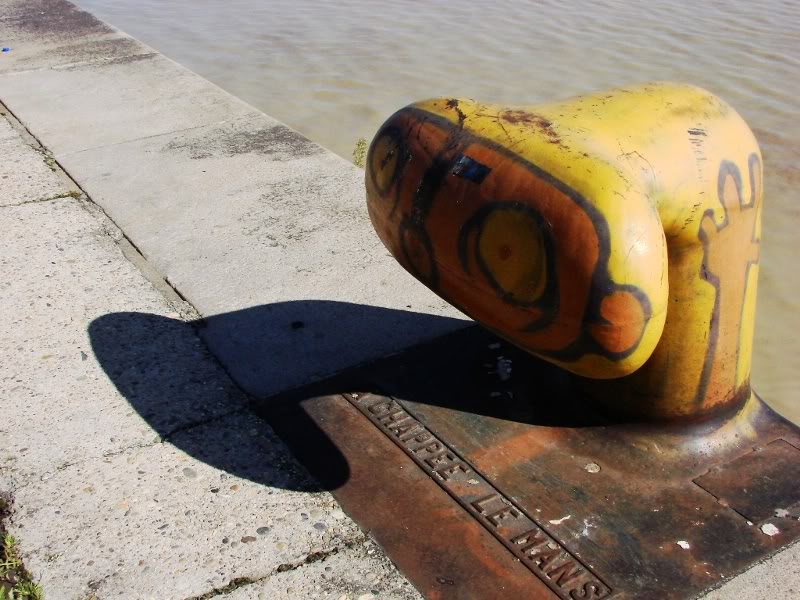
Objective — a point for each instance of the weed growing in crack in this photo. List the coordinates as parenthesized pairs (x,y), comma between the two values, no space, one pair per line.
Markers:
(16,582)
(9,557)
(360,152)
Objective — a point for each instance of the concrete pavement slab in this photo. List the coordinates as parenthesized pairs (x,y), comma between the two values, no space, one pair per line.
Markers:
(95,104)
(60,270)
(98,369)
(7,132)
(24,175)
(267,235)
(15,9)
(50,33)
(778,578)
(159,523)
(358,572)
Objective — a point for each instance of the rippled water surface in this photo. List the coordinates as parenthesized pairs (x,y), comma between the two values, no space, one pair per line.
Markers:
(335,70)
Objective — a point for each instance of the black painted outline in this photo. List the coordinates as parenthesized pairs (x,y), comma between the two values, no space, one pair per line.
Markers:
(407,228)
(395,136)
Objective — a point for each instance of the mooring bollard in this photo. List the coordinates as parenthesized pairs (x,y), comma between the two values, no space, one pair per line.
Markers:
(615,235)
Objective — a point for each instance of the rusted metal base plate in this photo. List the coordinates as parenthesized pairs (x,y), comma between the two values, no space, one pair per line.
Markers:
(483,475)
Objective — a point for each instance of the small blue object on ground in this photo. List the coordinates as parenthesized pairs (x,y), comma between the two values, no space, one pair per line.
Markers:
(6,49)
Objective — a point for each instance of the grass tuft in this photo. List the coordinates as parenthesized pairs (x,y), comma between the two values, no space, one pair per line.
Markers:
(27,590)
(16,582)
(360,152)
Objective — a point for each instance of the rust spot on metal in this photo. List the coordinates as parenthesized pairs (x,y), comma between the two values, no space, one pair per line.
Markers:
(544,125)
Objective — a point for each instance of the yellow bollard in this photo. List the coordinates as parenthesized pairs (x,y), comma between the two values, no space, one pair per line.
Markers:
(615,234)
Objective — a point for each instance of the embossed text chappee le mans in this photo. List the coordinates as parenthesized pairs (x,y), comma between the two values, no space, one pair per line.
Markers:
(540,552)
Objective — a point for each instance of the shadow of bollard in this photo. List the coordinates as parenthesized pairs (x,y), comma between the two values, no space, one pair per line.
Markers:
(164,370)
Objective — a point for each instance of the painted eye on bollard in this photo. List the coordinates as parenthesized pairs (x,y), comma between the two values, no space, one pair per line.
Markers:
(510,246)
(417,251)
(386,159)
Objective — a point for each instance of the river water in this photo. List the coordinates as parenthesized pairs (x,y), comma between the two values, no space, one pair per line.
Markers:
(335,69)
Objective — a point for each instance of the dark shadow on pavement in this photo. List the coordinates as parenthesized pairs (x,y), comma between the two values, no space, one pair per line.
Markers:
(163,369)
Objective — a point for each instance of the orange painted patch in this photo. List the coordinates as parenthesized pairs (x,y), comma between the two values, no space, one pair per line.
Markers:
(626,319)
